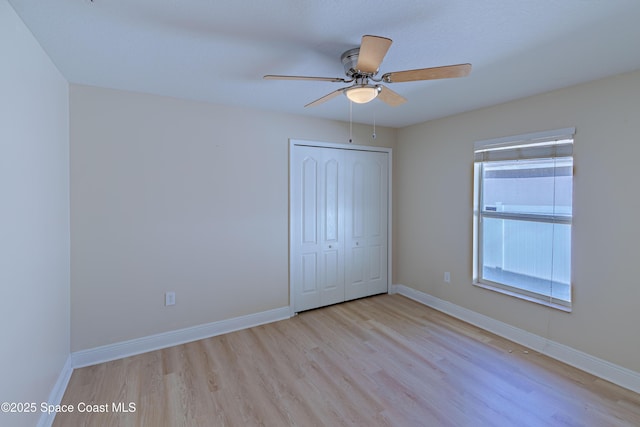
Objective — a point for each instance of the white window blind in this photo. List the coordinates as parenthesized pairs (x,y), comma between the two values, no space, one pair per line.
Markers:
(549,144)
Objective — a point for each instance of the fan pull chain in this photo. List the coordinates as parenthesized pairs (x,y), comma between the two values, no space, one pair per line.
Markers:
(350,122)
(374,125)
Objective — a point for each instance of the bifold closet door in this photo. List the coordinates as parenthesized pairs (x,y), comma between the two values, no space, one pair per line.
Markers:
(318,226)
(339,215)
(366,222)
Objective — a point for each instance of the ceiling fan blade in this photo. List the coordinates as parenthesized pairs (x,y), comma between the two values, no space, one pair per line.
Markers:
(372,52)
(390,97)
(319,79)
(325,98)
(446,72)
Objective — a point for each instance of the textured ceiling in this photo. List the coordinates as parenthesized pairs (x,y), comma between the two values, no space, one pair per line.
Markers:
(217,51)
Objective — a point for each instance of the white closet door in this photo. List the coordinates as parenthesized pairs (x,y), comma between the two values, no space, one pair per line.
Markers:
(317,226)
(366,223)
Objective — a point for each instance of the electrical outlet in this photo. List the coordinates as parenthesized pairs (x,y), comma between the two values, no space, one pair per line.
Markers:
(169,298)
(447,277)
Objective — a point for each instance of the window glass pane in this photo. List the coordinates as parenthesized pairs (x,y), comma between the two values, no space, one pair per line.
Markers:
(533,256)
(539,186)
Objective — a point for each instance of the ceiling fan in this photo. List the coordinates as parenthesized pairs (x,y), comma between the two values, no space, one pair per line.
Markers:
(361,65)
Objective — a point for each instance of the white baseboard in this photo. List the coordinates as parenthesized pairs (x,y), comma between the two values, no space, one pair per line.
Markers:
(55,397)
(119,350)
(601,368)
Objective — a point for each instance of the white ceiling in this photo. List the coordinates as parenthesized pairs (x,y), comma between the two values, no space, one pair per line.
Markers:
(217,51)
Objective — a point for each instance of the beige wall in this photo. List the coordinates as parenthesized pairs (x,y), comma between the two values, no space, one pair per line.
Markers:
(433,212)
(34,219)
(173,195)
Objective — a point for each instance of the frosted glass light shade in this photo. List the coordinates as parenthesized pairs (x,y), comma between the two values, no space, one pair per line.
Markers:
(362,94)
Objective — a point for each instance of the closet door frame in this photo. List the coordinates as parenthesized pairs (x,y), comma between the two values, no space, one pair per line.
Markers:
(298,142)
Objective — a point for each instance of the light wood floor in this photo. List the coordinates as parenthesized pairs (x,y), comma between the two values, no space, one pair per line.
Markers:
(380,361)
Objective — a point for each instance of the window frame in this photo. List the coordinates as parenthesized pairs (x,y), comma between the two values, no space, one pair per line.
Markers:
(543,145)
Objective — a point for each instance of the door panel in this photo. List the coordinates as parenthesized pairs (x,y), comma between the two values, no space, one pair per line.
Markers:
(366,228)
(377,225)
(309,273)
(332,201)
(375,256)
(317,176)
(356,198)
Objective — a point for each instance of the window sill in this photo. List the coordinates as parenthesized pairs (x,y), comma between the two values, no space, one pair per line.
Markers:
(540,301)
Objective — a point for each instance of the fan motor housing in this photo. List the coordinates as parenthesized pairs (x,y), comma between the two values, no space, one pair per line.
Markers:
(350,62)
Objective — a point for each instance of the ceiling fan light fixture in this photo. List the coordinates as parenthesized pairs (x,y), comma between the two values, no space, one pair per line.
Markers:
(361,94)
(361,65)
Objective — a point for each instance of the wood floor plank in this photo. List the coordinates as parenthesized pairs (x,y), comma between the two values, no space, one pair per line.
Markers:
(380,361)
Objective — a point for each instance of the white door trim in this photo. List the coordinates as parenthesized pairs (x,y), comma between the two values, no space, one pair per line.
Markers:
(300,142)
